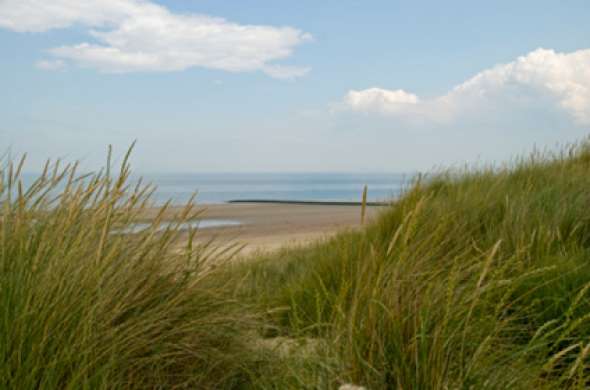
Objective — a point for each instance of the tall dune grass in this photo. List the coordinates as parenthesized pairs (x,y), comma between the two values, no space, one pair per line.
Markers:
(83,306)
(473,279)
(478,279)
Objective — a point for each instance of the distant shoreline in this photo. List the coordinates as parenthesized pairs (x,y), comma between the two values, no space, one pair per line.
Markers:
(307,202)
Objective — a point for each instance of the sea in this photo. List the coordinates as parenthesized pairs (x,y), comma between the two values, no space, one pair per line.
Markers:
(211,188)
(223,187)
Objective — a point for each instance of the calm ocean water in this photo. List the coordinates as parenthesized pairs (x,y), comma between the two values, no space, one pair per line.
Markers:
(222,187)
(218,188)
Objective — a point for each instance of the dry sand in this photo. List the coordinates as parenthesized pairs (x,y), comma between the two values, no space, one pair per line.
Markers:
(267,227)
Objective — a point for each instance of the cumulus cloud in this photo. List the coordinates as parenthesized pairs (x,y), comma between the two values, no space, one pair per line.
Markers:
(51,65)
(139,35)
(380,100)
(563,78)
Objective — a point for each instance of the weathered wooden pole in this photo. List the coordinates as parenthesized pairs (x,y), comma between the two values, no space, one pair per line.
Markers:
(364,205)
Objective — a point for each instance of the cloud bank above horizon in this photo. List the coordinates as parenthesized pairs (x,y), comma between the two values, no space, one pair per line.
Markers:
(140,35)
(559,79)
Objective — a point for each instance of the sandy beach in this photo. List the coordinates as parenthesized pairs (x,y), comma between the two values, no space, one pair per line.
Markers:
(266,227)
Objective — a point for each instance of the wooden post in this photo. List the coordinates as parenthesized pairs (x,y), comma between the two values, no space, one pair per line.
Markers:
(364,205)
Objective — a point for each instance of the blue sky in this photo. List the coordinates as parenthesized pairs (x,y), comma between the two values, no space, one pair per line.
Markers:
(292,86)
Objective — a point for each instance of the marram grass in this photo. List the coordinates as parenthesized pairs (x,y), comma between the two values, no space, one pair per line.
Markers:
(474,279)
(83,306)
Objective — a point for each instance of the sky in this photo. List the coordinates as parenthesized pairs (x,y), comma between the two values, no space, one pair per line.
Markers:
(292,86)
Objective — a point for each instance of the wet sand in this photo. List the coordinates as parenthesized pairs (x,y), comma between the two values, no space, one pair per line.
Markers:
(267,227)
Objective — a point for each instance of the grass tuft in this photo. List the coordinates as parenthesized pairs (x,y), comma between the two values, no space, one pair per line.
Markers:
(84,306)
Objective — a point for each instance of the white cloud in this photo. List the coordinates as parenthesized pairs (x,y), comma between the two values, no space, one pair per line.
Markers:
(43,15)
(562,77)
(380,100)
(51,65)
(139,35)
